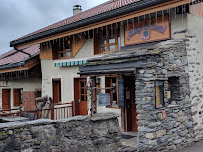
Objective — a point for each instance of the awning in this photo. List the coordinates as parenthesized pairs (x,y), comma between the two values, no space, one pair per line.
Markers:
(72,62)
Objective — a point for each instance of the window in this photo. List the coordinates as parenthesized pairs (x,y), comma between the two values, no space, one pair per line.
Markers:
(159,90)
(111,84)
(17,97)
(173,90)
(62,48)
(83,90)
(107,40)
(38,92)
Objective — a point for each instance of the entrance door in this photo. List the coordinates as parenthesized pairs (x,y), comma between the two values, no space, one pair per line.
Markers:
(130,110)
(80,95)
(56,90)
(6,96)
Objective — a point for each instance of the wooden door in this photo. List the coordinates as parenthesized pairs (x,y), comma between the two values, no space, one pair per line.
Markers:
(6,96)
(130,104)
(80,95)
(56,90)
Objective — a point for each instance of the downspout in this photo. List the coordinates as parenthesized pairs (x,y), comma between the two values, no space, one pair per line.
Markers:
(22,51)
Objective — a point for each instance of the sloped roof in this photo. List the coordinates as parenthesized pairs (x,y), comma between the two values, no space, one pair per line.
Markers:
(13,56)
(7,54)
(100,9)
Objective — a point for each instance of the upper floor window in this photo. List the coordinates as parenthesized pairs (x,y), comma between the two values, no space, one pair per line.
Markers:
(107,40)
(62,48)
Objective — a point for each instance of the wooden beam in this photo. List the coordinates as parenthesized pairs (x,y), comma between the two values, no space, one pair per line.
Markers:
(160,7)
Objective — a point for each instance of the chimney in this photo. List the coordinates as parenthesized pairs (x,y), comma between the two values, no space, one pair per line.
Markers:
(77,9)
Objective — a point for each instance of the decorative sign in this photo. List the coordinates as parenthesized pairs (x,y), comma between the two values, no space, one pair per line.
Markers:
(147,31)
(164,114)
(121,93)
(104,99)
(3,83)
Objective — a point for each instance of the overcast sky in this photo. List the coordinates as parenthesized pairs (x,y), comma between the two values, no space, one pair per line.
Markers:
(20,17)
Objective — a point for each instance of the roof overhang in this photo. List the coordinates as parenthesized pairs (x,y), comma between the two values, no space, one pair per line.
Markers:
(136,9)
(21,66)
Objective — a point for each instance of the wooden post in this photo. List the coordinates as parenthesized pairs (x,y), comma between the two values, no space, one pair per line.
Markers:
(94,96)
(37,114)
(20,109)
(73,108)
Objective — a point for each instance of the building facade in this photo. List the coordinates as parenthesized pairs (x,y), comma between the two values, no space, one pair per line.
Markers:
(20,79)
(138,59)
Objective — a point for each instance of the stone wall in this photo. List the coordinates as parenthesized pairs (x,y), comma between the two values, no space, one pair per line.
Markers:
(196,85)
(100,133)
(176,131)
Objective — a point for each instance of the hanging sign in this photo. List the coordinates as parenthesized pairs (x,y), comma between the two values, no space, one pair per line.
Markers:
(164,114)
(104,99)
(121,93)
(147,31)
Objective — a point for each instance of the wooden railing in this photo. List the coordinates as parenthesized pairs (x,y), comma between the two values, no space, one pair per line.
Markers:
(57,112)
(62,111)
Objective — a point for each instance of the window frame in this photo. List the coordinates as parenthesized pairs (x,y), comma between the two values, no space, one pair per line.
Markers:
(111,91)
(163,94)
(64,49)
(97,40)
(56,46)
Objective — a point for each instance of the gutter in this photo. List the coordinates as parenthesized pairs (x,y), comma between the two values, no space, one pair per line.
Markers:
(12,65)
(22,51)
(120,11)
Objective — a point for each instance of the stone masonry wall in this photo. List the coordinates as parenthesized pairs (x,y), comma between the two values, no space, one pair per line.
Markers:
(176,131)
(196,85)
(100,133)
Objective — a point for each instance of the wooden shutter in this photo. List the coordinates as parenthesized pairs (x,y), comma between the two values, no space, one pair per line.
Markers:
(16,97)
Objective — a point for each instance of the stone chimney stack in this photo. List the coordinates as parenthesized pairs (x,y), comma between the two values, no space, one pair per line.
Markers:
(77,9)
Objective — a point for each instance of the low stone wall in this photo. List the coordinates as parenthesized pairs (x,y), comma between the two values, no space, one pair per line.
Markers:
(100,133)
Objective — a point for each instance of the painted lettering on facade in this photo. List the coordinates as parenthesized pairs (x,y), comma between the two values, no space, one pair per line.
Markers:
(147,31)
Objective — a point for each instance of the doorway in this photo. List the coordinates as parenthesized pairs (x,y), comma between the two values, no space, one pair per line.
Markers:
(17,97)
(130,106)
(80,96)
(6,98)
(56,90)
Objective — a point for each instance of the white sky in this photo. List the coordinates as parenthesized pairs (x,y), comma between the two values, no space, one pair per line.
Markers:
(20,17)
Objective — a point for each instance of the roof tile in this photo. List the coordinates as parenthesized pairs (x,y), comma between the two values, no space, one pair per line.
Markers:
(103,8)
(13,56)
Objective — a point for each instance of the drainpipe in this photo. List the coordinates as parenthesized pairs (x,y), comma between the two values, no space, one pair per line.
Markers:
(22,51)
